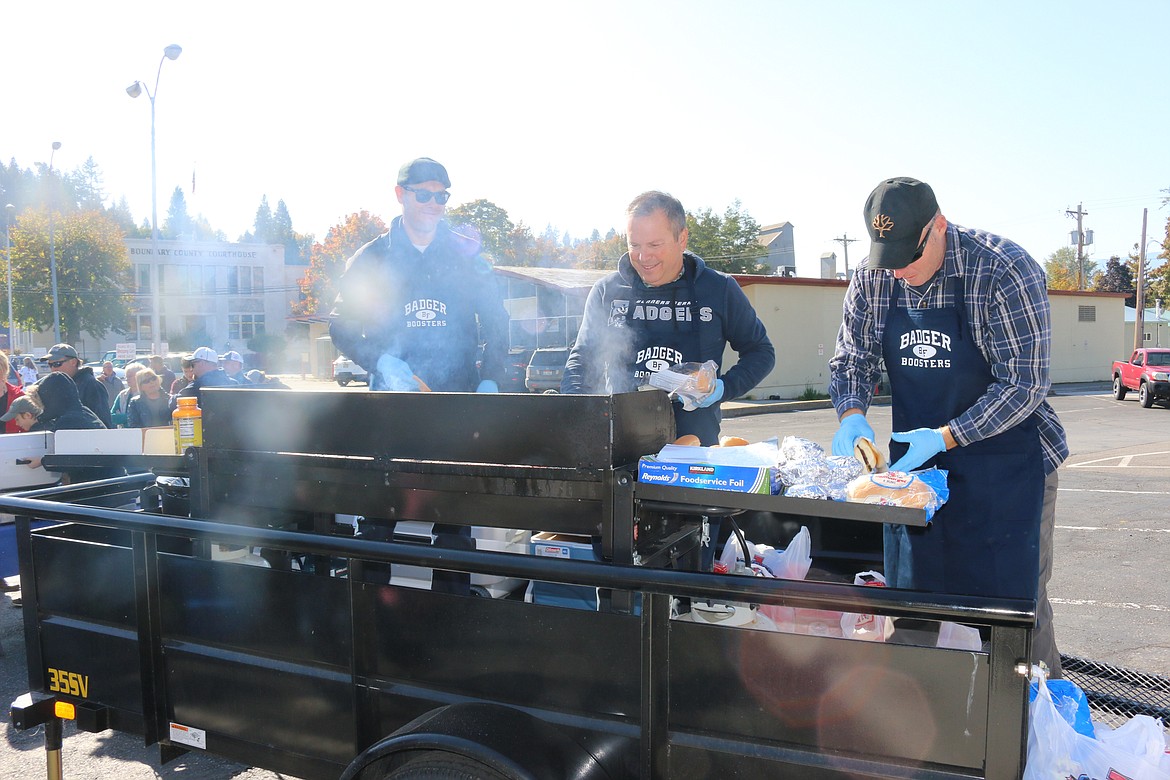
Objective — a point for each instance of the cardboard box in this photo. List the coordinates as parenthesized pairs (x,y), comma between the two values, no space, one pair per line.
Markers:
(567,546)
(23,446)
(116,441)
(509,540)
(738,479)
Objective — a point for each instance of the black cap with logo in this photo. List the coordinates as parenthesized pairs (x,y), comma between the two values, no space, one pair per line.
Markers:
(895,214)
(423,169)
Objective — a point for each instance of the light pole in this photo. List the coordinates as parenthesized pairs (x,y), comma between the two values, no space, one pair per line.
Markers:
(171,52)
(53,252)
(8,212)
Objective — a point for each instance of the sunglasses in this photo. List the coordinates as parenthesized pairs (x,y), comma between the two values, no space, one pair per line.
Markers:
(58,363)
(424,196)
(922,246)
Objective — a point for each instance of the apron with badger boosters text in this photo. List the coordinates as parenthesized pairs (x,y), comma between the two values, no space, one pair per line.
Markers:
(985,540)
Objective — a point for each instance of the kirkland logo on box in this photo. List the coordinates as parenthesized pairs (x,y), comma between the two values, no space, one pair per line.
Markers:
(739,479)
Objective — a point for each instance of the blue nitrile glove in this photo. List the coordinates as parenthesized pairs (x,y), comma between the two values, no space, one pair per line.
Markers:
(853,427)
(487,386)
(716,394)
(394,374)
(924,443)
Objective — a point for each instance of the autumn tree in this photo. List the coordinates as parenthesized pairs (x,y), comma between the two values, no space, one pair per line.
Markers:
(1159,278)
(327,260)
(93,272)
(1061,268)
(490,224)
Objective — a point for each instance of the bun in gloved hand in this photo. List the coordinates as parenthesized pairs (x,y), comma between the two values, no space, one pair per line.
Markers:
(872,459)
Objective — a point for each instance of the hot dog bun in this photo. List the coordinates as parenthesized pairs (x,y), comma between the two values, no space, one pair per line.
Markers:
(872,459)
(732,441)
(893,488)
(688,440)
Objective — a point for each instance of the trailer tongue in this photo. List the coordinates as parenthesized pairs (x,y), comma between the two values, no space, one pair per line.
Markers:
(311,667)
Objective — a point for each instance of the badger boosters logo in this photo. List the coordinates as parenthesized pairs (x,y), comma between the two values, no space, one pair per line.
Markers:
(425,313)
(652,359)
(926,348)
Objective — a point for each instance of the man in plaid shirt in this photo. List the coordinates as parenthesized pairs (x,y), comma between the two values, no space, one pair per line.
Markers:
(960,318)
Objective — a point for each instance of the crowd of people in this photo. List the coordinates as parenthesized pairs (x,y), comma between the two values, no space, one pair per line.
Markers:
(72,396)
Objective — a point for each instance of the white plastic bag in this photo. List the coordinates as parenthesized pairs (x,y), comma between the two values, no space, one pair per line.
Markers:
(793,562)
(956,636)
(868,628)
(1056,751)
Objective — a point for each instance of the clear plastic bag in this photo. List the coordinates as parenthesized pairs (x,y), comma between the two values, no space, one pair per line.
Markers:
(1057,751)
(690,383)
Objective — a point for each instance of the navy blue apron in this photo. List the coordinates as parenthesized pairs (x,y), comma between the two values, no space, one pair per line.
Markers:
(985,540)
(665,332)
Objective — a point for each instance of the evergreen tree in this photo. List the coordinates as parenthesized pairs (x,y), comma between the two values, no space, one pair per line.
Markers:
(178,223)
(1118,277)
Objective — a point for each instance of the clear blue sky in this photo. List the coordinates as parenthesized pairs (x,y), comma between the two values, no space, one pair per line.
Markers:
(562,112)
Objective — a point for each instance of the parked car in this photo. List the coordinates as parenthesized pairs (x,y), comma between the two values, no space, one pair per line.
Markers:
(545,370)
(517,367)
(1148,372)
(346,371)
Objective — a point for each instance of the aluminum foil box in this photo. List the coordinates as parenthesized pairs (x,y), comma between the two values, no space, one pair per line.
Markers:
(738,479)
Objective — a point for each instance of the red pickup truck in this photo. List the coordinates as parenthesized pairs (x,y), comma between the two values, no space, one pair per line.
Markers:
(1148,372)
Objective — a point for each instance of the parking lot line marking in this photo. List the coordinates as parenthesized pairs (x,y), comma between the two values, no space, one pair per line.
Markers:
(1122,461)
(1110,604)
(1119,528)
(1106,490)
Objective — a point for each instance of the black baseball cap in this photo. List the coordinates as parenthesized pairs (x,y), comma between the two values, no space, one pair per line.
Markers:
(423,169)
(895,214)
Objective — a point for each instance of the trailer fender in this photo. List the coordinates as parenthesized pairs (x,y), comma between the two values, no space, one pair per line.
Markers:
(507,741)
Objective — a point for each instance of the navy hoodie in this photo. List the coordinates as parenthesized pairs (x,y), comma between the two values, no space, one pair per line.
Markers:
(604,359)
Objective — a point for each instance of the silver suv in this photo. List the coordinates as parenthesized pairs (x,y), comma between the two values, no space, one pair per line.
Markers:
(545,370)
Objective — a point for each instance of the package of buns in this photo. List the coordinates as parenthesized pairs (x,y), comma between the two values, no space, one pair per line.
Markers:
(926,489)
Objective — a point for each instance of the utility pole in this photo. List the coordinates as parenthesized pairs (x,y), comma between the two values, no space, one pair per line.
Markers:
(1080,214)
(1139,320)
(845,241)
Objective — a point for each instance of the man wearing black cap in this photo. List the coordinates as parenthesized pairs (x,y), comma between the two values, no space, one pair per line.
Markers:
(961,319)
(416,302)
(63,358)
(414,306)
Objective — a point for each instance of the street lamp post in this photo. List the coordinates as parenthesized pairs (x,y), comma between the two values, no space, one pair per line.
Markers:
(171,52)
(53,252)
(8,211)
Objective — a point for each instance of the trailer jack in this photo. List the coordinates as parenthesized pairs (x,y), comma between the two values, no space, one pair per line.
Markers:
(34,709)
(31,710)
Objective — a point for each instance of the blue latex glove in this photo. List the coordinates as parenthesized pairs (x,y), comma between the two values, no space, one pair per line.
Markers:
(716,394)
(487,386)
(924,443)
(853,427)
(393,374)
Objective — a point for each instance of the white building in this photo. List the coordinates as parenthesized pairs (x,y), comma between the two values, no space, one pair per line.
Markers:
(220,293)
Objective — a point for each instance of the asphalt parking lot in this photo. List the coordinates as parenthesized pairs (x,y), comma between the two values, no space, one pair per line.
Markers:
(1109,593)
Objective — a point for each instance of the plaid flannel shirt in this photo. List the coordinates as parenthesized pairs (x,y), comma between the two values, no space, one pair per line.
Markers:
(1007,304)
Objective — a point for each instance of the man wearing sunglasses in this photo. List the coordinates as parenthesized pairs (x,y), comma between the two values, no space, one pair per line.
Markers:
(416,302)
(63,358)
(961,319)
(413,307)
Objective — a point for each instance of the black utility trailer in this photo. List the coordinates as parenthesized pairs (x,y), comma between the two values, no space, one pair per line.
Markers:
(318,670)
